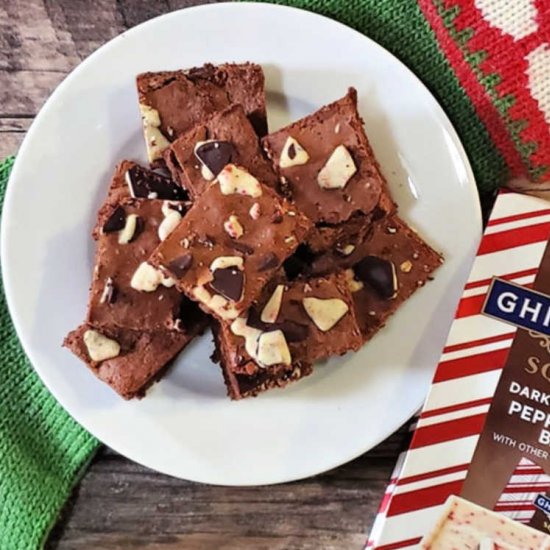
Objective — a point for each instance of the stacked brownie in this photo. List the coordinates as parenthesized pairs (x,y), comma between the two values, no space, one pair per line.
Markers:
(288,244)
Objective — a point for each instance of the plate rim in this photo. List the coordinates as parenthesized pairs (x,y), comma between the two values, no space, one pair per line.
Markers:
(8,199)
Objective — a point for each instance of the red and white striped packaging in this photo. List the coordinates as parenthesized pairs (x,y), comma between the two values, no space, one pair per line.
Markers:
(446,433)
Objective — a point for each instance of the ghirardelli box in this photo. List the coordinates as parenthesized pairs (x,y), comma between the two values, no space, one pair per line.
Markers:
(477,472)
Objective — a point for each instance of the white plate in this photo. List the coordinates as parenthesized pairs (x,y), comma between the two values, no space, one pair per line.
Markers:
(186,426)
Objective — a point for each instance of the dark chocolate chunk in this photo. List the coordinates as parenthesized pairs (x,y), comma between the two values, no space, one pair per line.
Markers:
(229,282)
(294,332)
(242,247)
(269,261)
(145,184)
(116,220)
(254,319)
(291,151)
(299,263)
(379,274)
(277,217)
(140,226)
(378,214)
(180,265)
(215,155)
(179,207)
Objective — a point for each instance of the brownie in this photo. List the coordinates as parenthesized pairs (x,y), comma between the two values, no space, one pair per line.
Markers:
(230,243)
(128,232)
(128,360)
(172,102)
(387,269)
(305,320)
(327,167)
(199,155)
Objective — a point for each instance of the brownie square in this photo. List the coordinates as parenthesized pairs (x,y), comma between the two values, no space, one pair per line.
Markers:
(129,360)
(230,243)
(326,165)
(386,270)
(127,231)
(172,102)
(304,320)
(127,234)
(197,157)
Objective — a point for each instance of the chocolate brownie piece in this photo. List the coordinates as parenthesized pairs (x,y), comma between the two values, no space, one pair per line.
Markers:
(198,156)
(326,165)
(128,360)
(386,270)
(172,102)
(126,291)
(230,243)
(278,340)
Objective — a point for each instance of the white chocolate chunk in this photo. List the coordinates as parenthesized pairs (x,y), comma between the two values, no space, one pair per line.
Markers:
(206,173)
(107,291)
(273,349)
(255,211)
(346,250)
(147,278)
(338,169)
(167,282)
(239,327)
(155,141)
(353,284)
(293,154)
(273,306)
(325,313)
(168,224)
(233,227)
(100,348)
(234,180)
(215,302)
(226,261)
(126,234)
(166,207)
(406,266)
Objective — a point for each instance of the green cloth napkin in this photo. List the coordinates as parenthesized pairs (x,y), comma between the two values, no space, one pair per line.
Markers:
(42,449)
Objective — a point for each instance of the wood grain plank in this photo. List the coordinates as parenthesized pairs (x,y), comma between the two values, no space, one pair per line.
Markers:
(12,132)
(29,41)
(134,507)
(207,541)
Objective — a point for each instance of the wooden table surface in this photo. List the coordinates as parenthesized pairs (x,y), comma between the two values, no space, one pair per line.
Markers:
(119,504)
